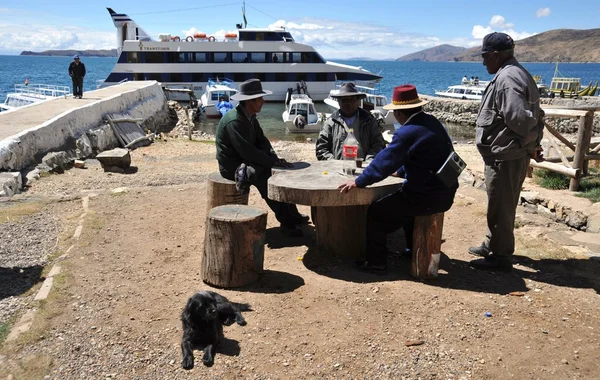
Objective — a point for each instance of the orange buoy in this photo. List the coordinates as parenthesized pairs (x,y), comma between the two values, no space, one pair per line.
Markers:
(230,35)
(199,35)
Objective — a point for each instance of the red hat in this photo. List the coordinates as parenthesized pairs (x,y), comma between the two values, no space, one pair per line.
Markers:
(404,97)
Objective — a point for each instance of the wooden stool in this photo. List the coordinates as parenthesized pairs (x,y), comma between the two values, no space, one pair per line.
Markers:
(221,191)
(234,245)
(427,244)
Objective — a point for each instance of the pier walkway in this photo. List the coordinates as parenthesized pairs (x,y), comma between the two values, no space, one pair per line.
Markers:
(14,122)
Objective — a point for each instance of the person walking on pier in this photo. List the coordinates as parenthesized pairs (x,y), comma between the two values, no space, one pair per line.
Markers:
(77,72)
(509,131)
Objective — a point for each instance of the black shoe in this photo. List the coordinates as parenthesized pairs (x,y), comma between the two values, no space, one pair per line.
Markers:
(493,263)
(291,231)
(364,265)
(303,219)
(481,250)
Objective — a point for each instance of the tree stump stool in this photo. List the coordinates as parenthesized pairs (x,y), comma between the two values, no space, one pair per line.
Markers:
(427,244)
(234,245)
(221,191)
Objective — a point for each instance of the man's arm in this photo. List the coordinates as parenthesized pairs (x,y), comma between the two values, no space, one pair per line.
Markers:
(376,143)
(83,67)
(515,109)
(324,145)
(389,160)
(246,150)
(71,70)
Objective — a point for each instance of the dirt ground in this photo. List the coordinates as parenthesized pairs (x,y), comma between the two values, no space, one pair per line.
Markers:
(114,309)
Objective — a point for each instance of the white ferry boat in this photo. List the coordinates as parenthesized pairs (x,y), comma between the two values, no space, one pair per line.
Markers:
(301,116)
(27,94)
(464,91)
(374,101)
(270,55)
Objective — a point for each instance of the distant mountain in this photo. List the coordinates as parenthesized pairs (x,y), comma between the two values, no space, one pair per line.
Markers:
(81,53)
(564,45)
(441,53)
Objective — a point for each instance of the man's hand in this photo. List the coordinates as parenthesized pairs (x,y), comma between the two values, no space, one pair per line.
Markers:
(283,163)
(347,186)
(538,155)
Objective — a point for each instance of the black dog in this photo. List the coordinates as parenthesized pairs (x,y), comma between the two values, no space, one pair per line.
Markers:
(203,318)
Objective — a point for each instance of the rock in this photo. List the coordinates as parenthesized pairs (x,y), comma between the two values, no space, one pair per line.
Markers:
(115,157)
(32,175)
(120,190)
(10,184)
(80,164)
(102,139)
(531,197)
(56,161)
(576,219)
(593,220)
(84,147)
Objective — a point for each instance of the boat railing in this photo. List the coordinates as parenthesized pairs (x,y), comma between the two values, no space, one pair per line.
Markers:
(301,97)
(42,90)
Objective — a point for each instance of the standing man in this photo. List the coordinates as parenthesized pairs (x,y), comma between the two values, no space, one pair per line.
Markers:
(77,72)
(366,128)
(418,150)
(508,134)
(247,157)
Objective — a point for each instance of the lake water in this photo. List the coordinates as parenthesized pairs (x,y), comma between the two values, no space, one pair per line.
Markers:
(427,76)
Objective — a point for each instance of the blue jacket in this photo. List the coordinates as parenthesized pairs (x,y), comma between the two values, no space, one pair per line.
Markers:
(417,151)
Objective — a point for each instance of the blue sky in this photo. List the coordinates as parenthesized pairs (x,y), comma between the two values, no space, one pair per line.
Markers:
(337,29)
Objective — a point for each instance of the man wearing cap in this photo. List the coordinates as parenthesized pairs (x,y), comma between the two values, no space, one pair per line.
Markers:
(335,129)
(418,150)
(247,157)
(509,131)
(77,72)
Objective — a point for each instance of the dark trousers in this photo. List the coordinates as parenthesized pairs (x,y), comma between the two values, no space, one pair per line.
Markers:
(503,182)
(394,211)
(77,86)
(286,213)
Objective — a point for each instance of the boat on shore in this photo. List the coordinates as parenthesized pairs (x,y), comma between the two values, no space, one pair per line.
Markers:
(373,102)
(269,54)
(27,94)
(218,90)
(301,116)
(464,91)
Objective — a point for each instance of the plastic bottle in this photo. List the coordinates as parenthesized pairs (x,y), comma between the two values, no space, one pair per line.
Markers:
(349,153)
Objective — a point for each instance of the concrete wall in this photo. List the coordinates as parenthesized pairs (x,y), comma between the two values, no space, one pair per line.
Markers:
(60,133)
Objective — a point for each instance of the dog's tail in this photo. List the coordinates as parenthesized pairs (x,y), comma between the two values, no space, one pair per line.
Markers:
(242,306)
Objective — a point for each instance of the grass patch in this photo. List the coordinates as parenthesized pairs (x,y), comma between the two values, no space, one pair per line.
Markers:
(4,330)
(589,187)
(14,211)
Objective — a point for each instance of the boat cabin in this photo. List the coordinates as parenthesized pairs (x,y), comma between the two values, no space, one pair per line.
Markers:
(566,85)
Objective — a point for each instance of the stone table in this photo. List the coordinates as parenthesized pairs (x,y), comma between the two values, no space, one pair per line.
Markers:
(339,219)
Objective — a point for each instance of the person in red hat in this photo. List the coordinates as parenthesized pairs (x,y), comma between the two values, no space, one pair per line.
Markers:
(418,150)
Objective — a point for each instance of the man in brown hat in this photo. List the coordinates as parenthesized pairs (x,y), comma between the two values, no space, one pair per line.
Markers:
(418,150)
(335,129)
(509,131)
(247,157)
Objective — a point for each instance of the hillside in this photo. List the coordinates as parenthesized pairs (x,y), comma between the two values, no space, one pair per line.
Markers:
(441,53)
(566,45)
(81,53)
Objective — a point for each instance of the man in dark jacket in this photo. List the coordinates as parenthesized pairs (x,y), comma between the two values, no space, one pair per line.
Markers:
(509,131)
(77,72)
(418,150)
(366,128)
(247,157)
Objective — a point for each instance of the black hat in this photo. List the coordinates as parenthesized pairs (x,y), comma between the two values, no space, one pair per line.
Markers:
(496,42)
(348,89)
(250,89)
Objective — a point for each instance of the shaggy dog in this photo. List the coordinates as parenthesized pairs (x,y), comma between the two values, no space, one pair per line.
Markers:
(203,318)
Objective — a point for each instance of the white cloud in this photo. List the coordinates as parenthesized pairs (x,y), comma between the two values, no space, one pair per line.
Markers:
(543,12)
(499,24)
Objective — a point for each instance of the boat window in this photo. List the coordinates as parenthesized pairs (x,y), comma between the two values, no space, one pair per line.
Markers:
(459,91)
(277,57)
(301,76)
(132,57)
(260,36)
(258,57)
(311,109)
(154,76)
(321,77)
(176,77)
(238,57)
(154,58)
(239,77)
(381,102)
(198,57)
(280,77)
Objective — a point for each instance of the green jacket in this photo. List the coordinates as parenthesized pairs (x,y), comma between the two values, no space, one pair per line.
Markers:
(331,138)
(240,140)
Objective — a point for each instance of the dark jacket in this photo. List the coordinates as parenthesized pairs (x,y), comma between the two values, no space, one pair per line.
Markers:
(509,122)
(331,138)
(417,151)
(240,140)
(77,70)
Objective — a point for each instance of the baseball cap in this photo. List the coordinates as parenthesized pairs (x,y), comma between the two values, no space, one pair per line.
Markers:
(496,41)
(75,57)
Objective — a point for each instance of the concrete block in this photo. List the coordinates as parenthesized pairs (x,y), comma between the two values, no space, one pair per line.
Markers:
(11,183)
(102,139)
(84,147)
(115,157)
(56,160)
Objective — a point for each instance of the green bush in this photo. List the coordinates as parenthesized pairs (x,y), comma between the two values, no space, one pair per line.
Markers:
(550,180)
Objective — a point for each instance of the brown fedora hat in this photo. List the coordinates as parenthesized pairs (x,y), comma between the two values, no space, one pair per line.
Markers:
(250,89)
(348,89)
(405,97)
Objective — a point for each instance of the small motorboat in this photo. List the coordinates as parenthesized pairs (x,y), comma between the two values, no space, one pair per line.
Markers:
(216,100)
(301,116)
(27,94)
(373,103)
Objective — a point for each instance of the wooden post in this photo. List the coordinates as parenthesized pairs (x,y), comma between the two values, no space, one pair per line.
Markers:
(221,191)
(234,245)
(584,135)
(427,244)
